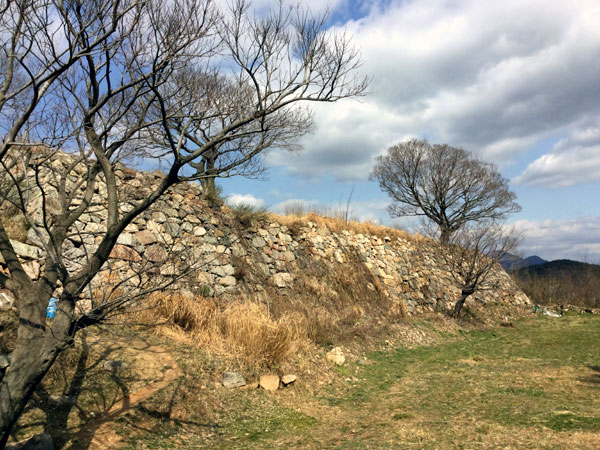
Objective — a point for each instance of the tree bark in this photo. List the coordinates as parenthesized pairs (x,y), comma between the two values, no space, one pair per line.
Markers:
(460,303)
(36,350)
(209,190)
(18,384)
(444,235)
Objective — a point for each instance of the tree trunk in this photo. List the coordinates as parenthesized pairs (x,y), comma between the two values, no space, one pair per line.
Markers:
(460,303)
(26,370)
(209,189)
(444,235)
(36,350)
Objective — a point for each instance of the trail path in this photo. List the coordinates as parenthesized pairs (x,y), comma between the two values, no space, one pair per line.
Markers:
(160,366)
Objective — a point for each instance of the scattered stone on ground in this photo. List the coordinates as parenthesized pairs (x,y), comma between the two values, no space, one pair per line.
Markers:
(336,356)
(288,379)
(233,379)
(269,382)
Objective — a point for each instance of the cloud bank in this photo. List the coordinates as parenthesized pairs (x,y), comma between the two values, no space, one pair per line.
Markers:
(575,159)
(245,199)
(494,80)
(577,239)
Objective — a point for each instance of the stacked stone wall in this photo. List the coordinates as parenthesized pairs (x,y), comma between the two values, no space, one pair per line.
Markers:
(210,252)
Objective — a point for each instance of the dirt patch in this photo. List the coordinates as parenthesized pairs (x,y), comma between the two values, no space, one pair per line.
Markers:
(153,368)
(95,383)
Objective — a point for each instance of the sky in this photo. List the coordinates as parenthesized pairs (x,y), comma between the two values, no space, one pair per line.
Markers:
(515,82)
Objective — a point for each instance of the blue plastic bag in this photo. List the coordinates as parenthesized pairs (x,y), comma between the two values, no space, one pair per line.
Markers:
(51,310)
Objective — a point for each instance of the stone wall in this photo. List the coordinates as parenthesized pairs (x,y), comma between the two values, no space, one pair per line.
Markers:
(212,251)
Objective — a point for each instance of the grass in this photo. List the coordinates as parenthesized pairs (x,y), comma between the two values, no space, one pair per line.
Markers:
(246,215)
(244,331)
(517,385)
(337,225)
(536,385)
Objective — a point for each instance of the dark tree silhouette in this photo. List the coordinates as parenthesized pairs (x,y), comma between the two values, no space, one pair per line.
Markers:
(446,185)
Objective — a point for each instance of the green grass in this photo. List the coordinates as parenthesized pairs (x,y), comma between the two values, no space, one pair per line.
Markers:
(515,378)
(252,419)
(536,385)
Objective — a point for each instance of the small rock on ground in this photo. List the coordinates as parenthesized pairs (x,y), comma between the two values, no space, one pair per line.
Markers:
(288,379)
(269,382)
(233,379)
(114,366)
(336,356)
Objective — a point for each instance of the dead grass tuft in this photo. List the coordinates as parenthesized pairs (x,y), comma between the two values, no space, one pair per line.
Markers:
(338,225)
(340,303)
(244,331)
(248,329)
(247,215)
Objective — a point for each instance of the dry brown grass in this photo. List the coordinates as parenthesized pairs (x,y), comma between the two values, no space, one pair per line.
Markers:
(579,286)
(340,303)
(248,328)
(244,331)
(329,304)
(337,225)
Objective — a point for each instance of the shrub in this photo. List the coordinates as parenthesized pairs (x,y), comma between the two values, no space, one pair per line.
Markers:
(246,214)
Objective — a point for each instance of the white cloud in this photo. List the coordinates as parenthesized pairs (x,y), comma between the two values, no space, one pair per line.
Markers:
(244,199)
(577,239)
(573,160)
(261,6)
(494,80)
(345,142)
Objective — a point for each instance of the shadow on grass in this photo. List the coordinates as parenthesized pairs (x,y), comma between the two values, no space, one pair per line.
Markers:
(107,396)
(594,378)
(58,407)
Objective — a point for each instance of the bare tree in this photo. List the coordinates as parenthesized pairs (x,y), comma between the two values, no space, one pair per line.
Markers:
(203,91)
(472,255)
(446,185)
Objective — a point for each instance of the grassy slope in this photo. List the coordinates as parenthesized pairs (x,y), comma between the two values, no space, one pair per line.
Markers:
(533,386)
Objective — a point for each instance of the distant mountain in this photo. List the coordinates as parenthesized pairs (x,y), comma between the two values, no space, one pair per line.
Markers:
(562,282)
(533,261)
(512,262)
(559,266)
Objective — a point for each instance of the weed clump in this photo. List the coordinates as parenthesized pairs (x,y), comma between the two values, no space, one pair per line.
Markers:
(244,331)
(247,214)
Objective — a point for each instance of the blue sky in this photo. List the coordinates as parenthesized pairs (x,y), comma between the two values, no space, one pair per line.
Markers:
(515,82)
